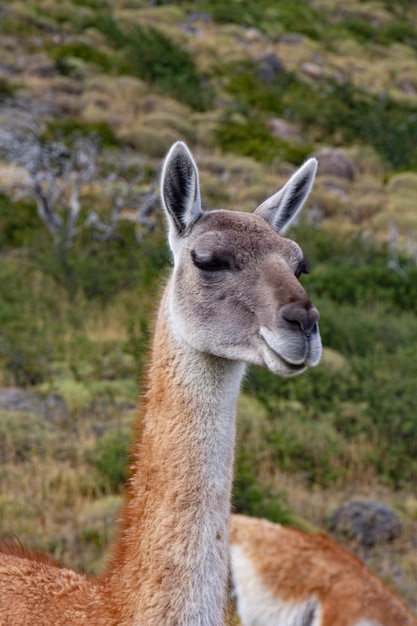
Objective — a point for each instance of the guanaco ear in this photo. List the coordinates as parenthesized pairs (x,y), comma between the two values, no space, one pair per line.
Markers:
(180,191)
(281,208)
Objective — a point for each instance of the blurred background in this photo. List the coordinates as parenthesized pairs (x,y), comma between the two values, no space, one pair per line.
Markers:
(92,94)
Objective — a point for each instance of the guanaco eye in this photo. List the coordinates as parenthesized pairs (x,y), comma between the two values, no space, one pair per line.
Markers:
(211,262)
(302,268)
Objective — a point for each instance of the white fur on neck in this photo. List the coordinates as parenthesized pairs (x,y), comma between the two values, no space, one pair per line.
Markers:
(206,418)
(213,383)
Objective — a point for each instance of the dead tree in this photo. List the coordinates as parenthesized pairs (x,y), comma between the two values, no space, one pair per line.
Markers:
(55,174)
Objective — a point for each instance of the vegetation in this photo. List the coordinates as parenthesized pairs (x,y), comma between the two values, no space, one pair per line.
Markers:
(271,17)
(331,110)
(248,136)
(368,313)
(150,54)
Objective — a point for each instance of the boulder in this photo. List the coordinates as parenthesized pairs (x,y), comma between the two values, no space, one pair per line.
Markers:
(283,130)
(268,67)
(367,522)
(333,162)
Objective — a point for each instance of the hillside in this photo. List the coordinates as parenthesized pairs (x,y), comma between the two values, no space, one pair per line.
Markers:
(253,88)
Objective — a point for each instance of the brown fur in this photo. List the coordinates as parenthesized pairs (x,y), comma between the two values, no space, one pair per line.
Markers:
(12,546)
(35,591)
(296,566)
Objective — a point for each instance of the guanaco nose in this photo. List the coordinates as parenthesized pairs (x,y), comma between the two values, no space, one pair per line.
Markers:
(303,317)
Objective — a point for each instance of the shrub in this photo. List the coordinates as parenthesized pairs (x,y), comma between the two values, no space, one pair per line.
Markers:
(105,23)
(379,121)
(19,223)
(62,56)
(157,59)
(75,394)
(362,30)
(253,493)
(70,129)
(250,137)
(94,4)
(252,497)
(235,12)
(307,446)
(27,340)
(249,90)
(402,32)
(110,457)
(6,90)
(300,17)
(22,436)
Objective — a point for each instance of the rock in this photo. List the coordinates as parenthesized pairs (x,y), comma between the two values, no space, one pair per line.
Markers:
(268,67)
(201,17)
(292,39)
(252,33)
(312,69)
(17,399)
(281,129)
(368,522)
(407,86)
(40,65)
(334,162)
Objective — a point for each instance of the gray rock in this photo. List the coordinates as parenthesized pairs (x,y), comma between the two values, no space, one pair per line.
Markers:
(333,162)
(368,522)
(17,399)
(268,68)
(53,408)
(283,130)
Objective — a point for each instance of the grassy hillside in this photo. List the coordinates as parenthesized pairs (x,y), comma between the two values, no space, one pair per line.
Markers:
(253,88)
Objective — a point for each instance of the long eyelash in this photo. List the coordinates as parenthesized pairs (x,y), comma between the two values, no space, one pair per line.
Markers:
(303,267)
(210,264)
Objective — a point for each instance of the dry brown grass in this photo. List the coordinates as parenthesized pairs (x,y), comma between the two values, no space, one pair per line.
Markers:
(52,498)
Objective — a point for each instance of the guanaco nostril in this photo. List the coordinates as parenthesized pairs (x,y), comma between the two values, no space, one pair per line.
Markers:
(301,317)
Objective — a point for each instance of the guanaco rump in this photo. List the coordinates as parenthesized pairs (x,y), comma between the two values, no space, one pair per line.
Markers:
(233,298)
(285,577)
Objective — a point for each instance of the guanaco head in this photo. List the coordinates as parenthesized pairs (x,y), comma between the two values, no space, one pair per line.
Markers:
(235,291)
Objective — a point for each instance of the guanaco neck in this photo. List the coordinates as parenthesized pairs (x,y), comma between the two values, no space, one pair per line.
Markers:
(171,562)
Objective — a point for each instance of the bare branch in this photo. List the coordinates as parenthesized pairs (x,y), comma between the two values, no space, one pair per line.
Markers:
(56,176)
